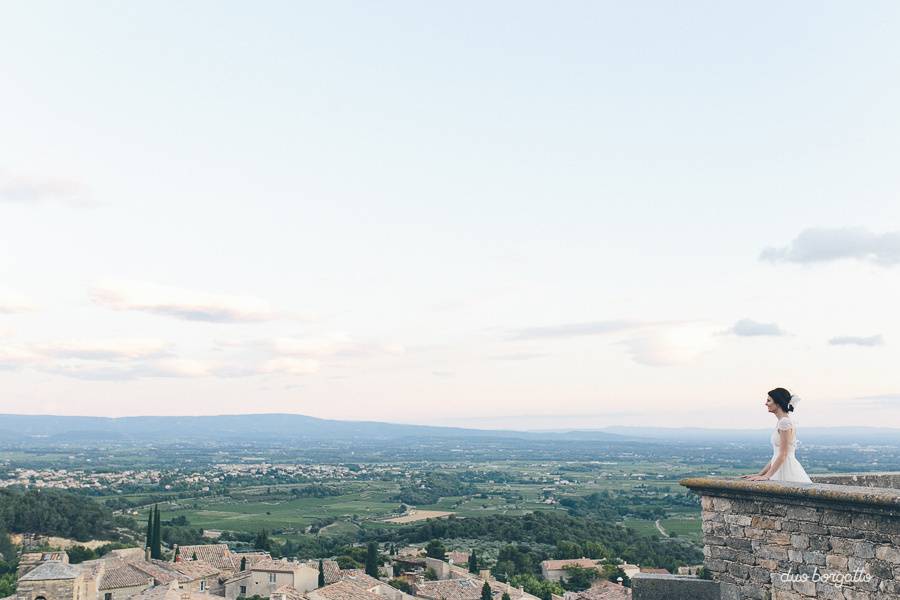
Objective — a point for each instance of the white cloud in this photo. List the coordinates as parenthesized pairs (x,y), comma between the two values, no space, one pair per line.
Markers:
(751,328)
(24,189)
(823,245)
(855,340)
(114,349)
(670,346)
(180,303)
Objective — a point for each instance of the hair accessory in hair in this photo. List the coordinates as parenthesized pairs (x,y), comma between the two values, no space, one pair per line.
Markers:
(794,401)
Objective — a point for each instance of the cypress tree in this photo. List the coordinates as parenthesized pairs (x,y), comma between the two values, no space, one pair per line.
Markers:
(177,554)
(243,563)
(149,529)
(486,593)
(473,562)
(372,560)
(321,573)
(156,538)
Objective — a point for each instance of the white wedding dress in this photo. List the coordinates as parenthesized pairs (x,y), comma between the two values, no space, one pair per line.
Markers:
(791,469)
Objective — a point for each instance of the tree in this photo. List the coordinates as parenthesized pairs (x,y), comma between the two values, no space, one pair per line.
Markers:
(321,573)
(473,562)
(372,560)
(435,549)
(7,584)
(579,578)
(79,554)
(262,540)
(149,543)
(486,593)
(156,535)
(542,588)
(7,550)
(193,556)
(506,596)
(177,554)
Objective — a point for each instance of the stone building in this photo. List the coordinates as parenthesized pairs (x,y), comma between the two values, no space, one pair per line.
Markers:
(267,576)
(53,580)
(554,570)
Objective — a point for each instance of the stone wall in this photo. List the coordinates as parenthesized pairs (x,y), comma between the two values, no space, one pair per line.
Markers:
(792,541)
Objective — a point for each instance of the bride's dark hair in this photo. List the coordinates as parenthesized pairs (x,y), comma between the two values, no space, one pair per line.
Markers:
(782,398)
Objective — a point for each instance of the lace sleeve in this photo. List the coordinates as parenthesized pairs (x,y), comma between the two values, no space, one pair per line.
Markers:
(785,423)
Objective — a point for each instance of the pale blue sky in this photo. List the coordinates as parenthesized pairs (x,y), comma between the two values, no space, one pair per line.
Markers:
(525,214)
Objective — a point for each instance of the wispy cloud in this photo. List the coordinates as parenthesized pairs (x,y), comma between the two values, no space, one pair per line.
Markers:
(112,371)
(855,340)
(823,245)
(24,189)
(751,328)
(878,401)
(180,303)
(114,349)
(574,330)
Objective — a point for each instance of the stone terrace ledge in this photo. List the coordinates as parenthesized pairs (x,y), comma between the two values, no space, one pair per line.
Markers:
(835,538)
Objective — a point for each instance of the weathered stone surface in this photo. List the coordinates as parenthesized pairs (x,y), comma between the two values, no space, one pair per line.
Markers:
(822,534)
(652,586)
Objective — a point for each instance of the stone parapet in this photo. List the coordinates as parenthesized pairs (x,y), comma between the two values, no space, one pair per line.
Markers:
(792,541)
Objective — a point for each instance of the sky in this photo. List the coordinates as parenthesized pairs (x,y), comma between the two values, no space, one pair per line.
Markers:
(494,214)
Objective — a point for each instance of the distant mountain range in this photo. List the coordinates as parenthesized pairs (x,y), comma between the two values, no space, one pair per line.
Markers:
(270,427)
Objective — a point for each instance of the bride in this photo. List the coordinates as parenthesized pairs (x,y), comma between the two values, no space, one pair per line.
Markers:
(784,465)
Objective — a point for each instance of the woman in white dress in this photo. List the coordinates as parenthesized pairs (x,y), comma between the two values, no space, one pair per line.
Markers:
(784,465)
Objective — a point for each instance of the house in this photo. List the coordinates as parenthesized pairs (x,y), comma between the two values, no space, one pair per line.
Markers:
(601,590)
(53,580)
(629,569)
(362,580)
(196,575)
(458,558)
(466,589)
(169,592)
(267,576)
(330,568)
(119,580)
(554,570)
(220,556)
(342,590)
(30,560)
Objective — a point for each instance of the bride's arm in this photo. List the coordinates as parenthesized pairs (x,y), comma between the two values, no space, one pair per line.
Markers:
(762,472)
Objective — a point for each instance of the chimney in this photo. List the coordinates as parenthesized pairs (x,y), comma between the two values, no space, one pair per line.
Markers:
(485,574)
(619,580)
(147,554)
